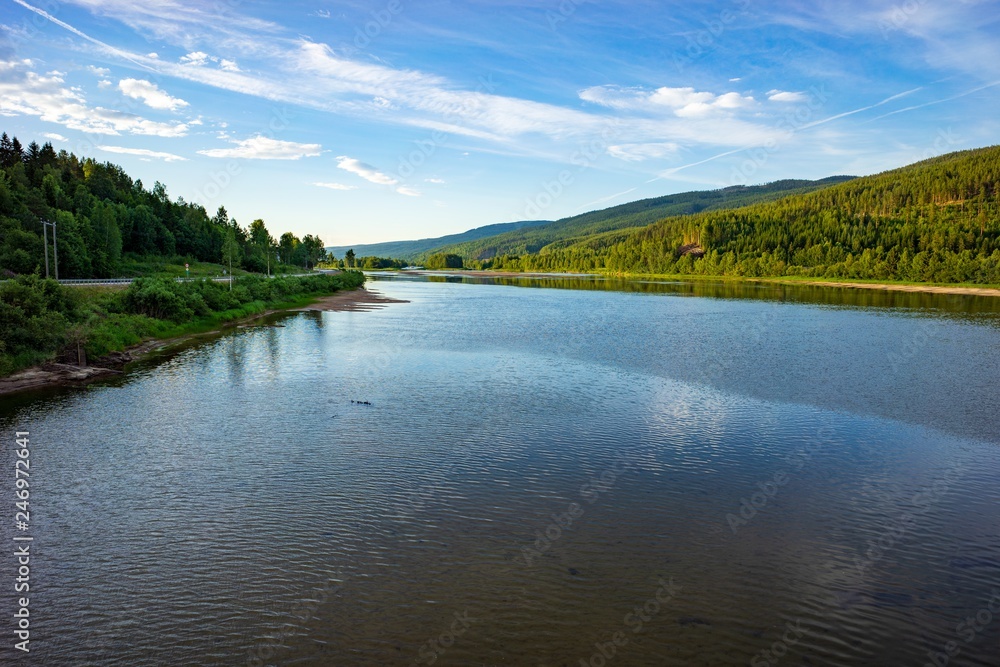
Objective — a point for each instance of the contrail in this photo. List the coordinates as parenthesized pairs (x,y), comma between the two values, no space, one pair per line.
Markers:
(62,24)
(807,126)
(947,99)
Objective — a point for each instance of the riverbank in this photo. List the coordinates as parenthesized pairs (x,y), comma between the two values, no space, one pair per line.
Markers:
(927,288)
(56,374)
(890,287)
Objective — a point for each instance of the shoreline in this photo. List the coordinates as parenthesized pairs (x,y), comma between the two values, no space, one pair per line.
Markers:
(888,287)
(56,374)
(811,282)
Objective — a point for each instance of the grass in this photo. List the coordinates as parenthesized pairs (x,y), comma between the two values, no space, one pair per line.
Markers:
(173,267)
(38,318)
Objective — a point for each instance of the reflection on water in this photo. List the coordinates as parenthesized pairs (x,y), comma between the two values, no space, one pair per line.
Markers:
(958,304)
(542,477)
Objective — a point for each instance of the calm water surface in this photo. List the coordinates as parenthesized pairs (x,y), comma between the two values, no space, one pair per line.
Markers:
(621,474)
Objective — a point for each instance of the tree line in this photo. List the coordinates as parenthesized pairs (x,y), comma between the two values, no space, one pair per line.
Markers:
(104,218)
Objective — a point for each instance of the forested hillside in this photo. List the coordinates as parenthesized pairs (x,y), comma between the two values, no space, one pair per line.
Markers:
(934,221)
(421,248)
(105,220)
(634,214)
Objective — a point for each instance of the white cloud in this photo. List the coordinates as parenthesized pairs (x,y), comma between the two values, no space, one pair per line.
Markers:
(785,96)
(640,152)
(25,92)
(99,71)
(321,13)
(373,175)
(54,137)
(196,58)
(365,171)
(104,84)
(200,59)
(336,186)
(143,152)
(435,181)
(150,94)
(154,55)
(683,102)
(265,148)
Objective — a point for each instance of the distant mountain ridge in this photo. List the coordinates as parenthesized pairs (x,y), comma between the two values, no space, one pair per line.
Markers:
(525,237)
(421,247)
(640,213)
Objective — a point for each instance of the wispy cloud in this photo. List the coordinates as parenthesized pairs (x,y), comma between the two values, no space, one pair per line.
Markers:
(196,58)
(641,152)
(264,148)
(150,94)
(684,102)
(365,171)
(54,137)
(336,186)
(182,23)
(143,152)
(785,96)
(373,175)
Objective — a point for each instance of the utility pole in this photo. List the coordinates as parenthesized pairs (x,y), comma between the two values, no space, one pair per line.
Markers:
(45,244)
(55,246)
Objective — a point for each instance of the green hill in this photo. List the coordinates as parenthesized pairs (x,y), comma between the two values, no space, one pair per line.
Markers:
(933,221)
(535,238)
(421,248)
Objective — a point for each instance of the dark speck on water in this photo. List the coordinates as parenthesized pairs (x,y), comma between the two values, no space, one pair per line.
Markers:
(692,620)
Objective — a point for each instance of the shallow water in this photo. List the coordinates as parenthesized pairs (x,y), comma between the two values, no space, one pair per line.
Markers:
(721,475)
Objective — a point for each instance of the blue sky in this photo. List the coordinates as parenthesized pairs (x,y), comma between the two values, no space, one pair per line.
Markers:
(394,119)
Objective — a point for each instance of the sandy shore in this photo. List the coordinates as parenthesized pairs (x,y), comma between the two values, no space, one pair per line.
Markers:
(354,301)
(929,289)
(52,374)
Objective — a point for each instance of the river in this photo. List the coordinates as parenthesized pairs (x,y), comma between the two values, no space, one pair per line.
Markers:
(528,472)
